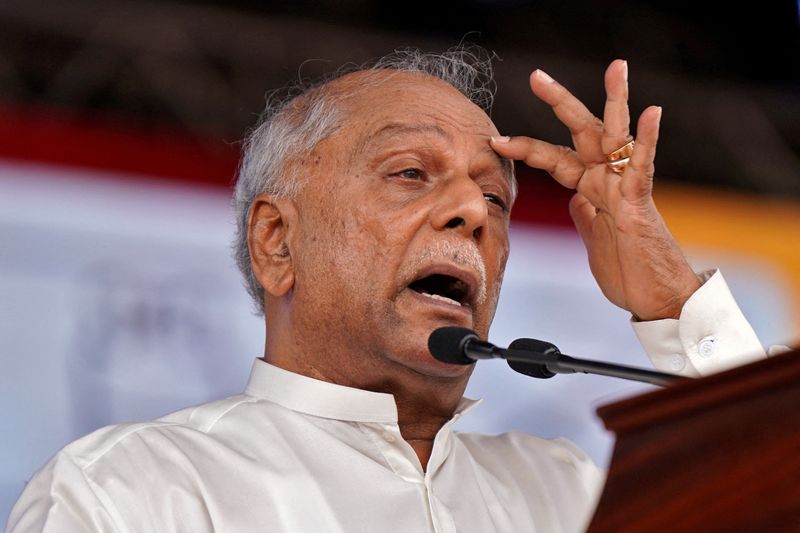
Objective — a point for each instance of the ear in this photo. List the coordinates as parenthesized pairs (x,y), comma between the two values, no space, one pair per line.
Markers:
(267,238)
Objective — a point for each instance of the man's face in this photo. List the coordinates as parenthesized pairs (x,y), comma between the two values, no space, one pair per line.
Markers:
(403,223)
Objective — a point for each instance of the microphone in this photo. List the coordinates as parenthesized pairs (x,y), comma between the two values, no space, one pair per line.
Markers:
(532,357)
(459,346)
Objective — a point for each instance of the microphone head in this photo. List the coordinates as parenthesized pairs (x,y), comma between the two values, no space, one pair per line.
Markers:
(448,344)
(534,370)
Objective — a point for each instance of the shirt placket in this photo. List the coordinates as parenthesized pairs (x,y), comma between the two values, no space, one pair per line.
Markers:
(402,459)
(442,444)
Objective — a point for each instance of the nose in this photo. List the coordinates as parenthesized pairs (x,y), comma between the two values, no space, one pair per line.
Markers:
(461,207)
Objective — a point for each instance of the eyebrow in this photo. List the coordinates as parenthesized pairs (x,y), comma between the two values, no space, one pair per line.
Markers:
(403,128)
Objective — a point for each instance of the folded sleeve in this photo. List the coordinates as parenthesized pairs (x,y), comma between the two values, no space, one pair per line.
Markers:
(711,334)
(60,498)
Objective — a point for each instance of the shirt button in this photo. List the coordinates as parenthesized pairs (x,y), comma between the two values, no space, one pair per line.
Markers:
(677,362)
(707,347)
(388,437)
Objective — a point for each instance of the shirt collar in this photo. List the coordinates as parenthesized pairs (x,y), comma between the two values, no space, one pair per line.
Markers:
(327,400)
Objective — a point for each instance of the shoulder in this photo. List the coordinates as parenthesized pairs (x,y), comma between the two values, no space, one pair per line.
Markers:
(193,423)
(81,486)
(519,454)
(516,442)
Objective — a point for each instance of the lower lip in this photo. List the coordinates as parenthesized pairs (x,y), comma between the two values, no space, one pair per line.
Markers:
(460,310)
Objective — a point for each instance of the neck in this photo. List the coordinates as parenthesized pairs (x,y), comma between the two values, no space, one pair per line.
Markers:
(419,424)
(424,402)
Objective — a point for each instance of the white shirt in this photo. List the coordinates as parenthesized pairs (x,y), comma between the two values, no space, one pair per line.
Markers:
(711,335)
(296,454)
(300,455)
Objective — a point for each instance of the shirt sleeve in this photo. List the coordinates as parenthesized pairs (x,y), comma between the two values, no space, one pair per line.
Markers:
(711,334)
(60,498)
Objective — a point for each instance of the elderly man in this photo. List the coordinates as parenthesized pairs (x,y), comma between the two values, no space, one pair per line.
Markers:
(374,208)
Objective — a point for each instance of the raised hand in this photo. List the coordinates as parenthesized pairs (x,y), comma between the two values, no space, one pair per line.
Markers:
(632,255)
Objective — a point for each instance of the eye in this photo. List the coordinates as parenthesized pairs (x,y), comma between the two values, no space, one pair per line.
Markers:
(410,174)
(495,199)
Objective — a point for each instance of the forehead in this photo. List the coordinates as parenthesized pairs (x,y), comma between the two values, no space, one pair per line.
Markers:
(376,97)
(387,107)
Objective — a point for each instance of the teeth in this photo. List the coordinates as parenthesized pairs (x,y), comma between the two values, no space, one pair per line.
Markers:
(441,298)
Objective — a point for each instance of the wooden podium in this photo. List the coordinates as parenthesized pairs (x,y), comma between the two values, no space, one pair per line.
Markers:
(720,453)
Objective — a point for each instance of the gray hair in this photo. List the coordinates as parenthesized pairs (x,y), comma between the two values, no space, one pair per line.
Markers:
(298,118)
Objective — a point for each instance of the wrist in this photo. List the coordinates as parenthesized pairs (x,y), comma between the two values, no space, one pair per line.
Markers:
(675,297)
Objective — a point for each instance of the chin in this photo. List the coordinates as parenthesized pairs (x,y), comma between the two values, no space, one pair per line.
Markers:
(414,354)
(426,365)
(406,333)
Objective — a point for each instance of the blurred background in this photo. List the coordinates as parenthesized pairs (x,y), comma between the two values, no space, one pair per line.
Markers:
(120,124)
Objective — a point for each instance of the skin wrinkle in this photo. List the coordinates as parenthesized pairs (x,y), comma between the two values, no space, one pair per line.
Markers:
(398,129)
(406,148)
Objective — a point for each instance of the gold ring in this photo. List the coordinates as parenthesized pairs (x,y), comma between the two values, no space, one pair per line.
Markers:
(618,160)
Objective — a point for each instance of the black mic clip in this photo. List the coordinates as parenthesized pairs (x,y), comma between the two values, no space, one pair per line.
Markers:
(546,350)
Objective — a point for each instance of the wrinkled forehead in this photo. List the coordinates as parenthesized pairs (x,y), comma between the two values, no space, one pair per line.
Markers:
(385,104)
(376,93)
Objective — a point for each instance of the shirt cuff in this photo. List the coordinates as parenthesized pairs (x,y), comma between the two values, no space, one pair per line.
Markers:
(711,334)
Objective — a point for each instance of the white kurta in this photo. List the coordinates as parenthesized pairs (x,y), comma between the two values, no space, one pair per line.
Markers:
(294,454)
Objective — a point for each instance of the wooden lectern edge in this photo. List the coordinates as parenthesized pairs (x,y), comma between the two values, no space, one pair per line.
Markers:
(693,395)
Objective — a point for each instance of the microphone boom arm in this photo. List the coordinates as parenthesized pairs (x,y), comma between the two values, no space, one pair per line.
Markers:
(559,363)
(534,358)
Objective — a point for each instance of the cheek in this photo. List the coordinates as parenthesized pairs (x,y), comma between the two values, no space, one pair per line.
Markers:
(320,246)
(348,245)
(496,276)
(502,260)
(380,229)
(498,254)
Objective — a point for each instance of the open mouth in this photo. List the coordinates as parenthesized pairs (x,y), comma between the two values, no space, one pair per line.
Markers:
(442,287)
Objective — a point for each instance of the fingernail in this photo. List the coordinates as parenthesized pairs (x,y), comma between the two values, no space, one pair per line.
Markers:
(625,70)
(543,76)
(658,113)
(501,139)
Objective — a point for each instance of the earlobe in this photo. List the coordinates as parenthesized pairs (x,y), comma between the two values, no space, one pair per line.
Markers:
(268,232)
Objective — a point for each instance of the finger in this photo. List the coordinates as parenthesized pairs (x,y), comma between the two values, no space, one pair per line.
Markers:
(616,116)
(637,180)
(586,129)
(559,161)
(582,212)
